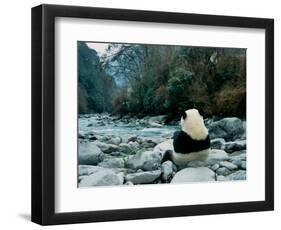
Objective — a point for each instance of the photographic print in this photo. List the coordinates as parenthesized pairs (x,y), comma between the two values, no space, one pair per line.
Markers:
(160,114)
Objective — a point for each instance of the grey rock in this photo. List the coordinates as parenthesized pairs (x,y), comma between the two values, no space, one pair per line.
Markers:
(143,177)
(158,119)
(238,175)
(102,177)
(218,143)
(89,154)
(165,146)
(129,183)
(148,160)
(129,148)
(107,148)
(243,165)
(167,170)
(241,156)
(195,164)
(237,162)
(194,175)
(112,163)
(115,140)
(87,169)
(230,129)
(228,165)
(220,178)
(215,167)
(216,156)
(233,146)
(223,171)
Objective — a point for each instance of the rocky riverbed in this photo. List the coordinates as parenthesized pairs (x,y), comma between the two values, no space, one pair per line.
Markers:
(129,151)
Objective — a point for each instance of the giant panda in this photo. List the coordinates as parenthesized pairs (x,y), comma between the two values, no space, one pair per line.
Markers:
(192,142)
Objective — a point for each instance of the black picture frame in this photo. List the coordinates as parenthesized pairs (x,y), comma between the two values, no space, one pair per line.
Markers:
(43,114)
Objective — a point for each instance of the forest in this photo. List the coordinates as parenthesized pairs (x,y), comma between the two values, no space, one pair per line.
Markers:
(141,80)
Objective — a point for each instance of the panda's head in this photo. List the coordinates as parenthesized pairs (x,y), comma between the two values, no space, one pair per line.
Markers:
(192,123)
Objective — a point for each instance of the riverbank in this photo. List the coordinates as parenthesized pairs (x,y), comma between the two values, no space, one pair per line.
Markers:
(129,151)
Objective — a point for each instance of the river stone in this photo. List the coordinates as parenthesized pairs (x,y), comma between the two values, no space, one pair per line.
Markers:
(112,163)
(87,169)
(240,156)
(158,119)
(215,167)
(103,177)
(216,156)
(143,177)
(243,165)
(238,175)
(115,140)
(194,175)
(228,165)
(218,143)
(223,171)
(107,148)
(195,164)
(167,170)
(148,160)
(233,146)
(89,153)
(230,129)
(164,147)
(129,148)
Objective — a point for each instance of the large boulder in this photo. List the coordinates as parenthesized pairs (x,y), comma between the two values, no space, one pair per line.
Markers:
(143,177)
(194,175)
(230,129)
(89,153)
(148,160)
(103,177)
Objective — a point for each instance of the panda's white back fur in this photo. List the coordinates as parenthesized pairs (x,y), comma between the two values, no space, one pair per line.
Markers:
(194,126)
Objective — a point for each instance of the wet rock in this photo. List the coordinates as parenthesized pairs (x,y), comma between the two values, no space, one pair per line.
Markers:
(194,175)
(143,177)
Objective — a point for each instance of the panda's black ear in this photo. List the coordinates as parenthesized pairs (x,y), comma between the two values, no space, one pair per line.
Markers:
(183,115)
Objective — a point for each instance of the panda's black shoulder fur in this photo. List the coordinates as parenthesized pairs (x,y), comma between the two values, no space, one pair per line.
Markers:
(183,143)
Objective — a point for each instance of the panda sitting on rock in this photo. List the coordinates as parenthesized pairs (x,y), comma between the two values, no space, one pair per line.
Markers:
(192,142)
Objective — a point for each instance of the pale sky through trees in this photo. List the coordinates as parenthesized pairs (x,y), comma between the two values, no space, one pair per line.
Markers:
(99,47)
